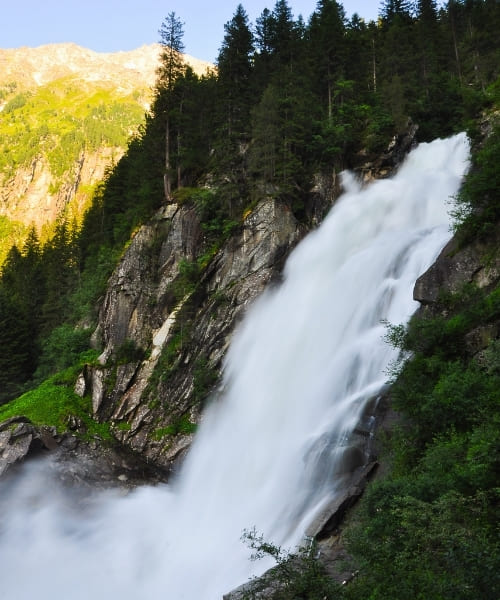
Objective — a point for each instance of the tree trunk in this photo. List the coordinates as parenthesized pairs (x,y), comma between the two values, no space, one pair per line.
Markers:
(166,178)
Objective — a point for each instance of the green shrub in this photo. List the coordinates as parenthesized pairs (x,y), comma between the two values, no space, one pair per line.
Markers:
(128,352)
(297,575)
(477,206)
(61,349)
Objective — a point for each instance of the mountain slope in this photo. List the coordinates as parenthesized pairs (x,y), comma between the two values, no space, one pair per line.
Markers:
(66,114)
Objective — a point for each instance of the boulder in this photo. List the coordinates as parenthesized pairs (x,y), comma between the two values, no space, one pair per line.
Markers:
(456,266)
(19,438)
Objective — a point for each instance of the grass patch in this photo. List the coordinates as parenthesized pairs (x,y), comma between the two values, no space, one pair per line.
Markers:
(54,401)
(181,425)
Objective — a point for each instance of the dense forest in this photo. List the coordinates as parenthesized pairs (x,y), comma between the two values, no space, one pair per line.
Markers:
(290,99)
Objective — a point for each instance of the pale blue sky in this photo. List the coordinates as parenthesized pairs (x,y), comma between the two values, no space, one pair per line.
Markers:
(112,25)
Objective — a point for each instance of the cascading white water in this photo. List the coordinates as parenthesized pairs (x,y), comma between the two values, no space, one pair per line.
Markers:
(308,356)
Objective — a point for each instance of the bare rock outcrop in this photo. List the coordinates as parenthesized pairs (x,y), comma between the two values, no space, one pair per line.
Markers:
(457,266)
(177,338)
(18,438)
(90,463)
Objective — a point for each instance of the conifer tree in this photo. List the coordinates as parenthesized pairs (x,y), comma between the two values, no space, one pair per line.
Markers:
(284,35)
(170,69)
(234,93)
(17,356)
(262,60)
(327,47)
(234,66)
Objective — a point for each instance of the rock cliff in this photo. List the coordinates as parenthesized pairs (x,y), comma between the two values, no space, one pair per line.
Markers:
(177,332)
(28,196)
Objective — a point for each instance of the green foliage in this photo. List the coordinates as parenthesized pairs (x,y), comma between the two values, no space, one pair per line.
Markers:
(216,220)
(17,102)
(11,233)
(477,207)
(128,352)
(180,426)
(54,401)
(432,523)
(445,548)
(61,349)
(185,282)
(60,120)
(204,379)
(17,359)
(297,574)
(440,388)
(168,360)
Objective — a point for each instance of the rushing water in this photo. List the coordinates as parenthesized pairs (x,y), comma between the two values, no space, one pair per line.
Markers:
(300,369)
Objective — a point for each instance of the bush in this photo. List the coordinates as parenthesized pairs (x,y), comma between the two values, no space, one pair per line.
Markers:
(61,349)
(297,575)
(477,207)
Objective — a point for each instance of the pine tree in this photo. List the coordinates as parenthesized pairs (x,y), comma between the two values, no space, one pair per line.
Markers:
(234,66)
(17,356)
(284,35)
(327,47)
(392,10)
(171,68)
(234,95)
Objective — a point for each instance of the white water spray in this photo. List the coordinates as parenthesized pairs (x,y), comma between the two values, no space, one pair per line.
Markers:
(299,372)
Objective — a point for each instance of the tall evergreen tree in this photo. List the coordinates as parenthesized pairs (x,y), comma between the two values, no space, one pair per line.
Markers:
(234,67)
(234,93)
(395,9)
(17,356)
(327,46)
(170,69)
(397,67)
(284,35)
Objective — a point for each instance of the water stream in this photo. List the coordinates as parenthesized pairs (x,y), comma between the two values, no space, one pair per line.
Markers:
(307,358)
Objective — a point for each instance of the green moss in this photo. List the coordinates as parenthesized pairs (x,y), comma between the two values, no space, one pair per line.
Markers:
(54,401)
(182,425)
(204,379)
(123,426)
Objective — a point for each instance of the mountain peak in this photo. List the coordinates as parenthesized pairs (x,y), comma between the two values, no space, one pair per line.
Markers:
(43,64)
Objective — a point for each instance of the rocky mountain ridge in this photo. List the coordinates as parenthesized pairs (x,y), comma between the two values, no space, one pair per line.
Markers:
(126,71)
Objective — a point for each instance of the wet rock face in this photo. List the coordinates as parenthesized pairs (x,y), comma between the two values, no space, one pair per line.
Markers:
(385,164)
(19,438)
(75,462)
(456,267)
(477,263)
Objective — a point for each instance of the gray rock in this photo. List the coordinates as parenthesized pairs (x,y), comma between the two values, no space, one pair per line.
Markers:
(333,513)
(138,306)
(456,267)
(76,462)
(19,438)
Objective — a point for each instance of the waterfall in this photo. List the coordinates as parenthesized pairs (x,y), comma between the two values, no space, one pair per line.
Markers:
(302,365)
